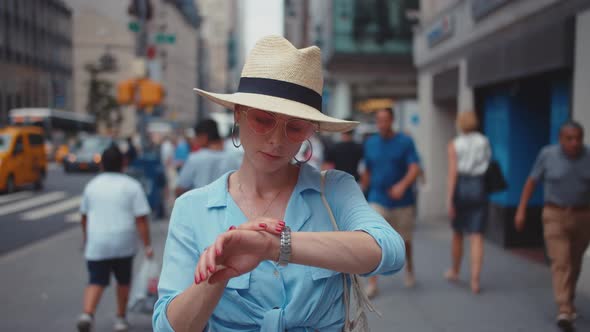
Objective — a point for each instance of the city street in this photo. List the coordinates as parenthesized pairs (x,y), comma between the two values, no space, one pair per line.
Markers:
(27,216)
(43,283)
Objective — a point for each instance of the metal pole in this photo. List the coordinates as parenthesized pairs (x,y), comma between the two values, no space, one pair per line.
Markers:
(140,52)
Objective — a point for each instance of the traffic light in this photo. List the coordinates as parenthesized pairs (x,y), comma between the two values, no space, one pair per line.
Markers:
(150,93)
(126,92)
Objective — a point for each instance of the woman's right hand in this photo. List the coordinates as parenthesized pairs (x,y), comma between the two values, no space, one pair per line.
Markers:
(235,253)
(451,211)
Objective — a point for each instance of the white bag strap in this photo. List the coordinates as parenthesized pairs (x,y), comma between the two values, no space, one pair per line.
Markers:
(361,297)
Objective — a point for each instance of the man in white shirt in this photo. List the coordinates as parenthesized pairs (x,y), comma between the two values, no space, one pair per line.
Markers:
(114,210)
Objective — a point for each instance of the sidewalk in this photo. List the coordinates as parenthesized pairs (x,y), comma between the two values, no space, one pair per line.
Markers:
(516,292)
(42,285)
(42,289)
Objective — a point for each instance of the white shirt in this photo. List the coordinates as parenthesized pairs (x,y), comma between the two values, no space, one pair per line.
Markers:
(473,153)
(111,202)
(166,152)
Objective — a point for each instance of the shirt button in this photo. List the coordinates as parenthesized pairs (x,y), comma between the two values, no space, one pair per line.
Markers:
(276,273)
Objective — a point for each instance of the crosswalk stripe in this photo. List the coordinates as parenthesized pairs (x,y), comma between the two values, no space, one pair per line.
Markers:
(52,209)
(14,197)
(31,202)
(73,217)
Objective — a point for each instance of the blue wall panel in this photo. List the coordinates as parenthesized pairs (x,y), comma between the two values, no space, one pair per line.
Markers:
(560,107)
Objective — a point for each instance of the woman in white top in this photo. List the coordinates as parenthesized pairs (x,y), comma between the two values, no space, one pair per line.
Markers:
(469,156)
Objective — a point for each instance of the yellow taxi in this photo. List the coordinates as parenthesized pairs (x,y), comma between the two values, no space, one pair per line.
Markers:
(23,159)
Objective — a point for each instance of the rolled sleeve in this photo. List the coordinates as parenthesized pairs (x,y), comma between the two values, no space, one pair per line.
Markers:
(353,213)
(181,255)
(412,155)
(538,170)
(141,207)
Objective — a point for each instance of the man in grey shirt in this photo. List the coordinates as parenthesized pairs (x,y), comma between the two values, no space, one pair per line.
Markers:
(208,163)
(564,170)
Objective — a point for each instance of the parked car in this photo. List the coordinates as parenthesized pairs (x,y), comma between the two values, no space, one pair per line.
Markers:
(23,158)
(87,154)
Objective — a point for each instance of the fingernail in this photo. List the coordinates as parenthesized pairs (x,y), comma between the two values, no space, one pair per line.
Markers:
(232,228)
(197,280)
(279,229)
(211,269)
(202,277)
(217,252)
(282,223)
(263,225)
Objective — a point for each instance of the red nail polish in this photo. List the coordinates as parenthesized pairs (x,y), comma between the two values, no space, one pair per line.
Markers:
(211,269)
(263,225)
(202,277)
(217,252)
(279,229)
(282,223)
(232,228)
(196,280)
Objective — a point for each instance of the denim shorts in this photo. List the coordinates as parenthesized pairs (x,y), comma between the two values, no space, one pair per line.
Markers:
(100,271)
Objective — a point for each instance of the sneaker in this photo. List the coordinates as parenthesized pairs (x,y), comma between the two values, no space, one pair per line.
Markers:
(565,321)
(371,290)
(121,325)
(85,323)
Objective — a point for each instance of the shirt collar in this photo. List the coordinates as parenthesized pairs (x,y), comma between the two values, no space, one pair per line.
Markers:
(309,179)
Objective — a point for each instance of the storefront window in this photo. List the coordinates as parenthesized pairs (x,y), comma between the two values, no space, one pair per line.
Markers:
(373,26)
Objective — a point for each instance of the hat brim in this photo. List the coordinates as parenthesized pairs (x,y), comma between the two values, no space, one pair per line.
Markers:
(280,106)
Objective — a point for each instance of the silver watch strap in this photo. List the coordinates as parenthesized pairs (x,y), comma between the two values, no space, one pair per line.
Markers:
(285,250)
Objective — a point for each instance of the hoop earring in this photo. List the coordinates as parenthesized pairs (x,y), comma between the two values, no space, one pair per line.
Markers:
(310,154)
(234,139)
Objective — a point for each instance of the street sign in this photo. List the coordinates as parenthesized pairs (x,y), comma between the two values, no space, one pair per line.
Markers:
(133,26)
(163,38)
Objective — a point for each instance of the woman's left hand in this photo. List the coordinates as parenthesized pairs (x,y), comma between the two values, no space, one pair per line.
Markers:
(235,253)
(270,225)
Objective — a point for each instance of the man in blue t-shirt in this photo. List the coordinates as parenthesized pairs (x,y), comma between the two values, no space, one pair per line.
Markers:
(392,166)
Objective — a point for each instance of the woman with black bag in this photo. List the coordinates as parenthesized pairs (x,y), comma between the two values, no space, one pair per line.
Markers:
(469,156)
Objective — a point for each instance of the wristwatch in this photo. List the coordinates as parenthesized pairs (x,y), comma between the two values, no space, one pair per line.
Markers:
(285,250)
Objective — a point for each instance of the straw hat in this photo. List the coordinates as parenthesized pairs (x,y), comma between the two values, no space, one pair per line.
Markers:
(279,78)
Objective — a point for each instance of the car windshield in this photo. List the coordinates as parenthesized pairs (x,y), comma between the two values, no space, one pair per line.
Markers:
(94,144)
(5,142)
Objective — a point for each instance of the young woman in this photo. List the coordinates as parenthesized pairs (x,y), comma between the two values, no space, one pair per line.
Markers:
(469,156)
(281,268)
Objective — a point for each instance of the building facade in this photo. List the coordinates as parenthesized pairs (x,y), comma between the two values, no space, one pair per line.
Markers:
(367,53)
(35,55)
(524,67)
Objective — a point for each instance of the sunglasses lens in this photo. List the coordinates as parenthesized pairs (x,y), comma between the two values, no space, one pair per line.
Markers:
(261,122)
(299,130)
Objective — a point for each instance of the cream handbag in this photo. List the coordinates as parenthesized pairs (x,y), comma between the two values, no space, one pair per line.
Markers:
(356,322)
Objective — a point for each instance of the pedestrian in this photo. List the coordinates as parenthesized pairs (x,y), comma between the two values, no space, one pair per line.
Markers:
(564,170)
(345,155)
(181,152)
(469,156)
(207,164)
(219,278)
(391,168)
(131,153)
(114,210)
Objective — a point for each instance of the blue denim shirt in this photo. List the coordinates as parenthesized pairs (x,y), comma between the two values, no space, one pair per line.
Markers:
(271,297)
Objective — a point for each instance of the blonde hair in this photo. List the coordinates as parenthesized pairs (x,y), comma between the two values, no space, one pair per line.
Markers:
(467,121)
